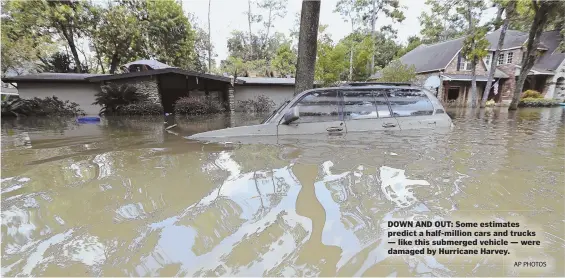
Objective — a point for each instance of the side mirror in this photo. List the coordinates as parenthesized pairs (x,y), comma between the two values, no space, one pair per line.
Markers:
(291,115)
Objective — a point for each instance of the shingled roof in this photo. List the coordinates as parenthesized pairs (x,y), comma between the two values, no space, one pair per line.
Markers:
(52,77)
(432,57)
(435,57)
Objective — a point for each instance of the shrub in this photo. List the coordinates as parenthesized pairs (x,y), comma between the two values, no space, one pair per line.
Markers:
(531,94)
(490,103)
(259,104)
(113,96)
(143,108)
(537,102)
(197,106)
(49,106)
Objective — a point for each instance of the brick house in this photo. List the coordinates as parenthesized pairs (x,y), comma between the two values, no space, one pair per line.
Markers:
(444,60)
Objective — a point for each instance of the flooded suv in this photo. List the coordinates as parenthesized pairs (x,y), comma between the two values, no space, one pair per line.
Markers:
(347,109)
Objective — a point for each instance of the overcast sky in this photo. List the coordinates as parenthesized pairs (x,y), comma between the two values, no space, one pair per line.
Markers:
(228,15)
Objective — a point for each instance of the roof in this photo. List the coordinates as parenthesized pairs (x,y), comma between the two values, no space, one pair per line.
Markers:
(266,81)
(512,39)
(552,58)
(157,72)
(53,77)
(432,57)
(154,64)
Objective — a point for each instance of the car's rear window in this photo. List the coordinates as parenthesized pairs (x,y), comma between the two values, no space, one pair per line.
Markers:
(409,102)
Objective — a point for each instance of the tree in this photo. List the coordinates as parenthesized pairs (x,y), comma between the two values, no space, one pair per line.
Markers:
(475,43)
(396,71)
(42,18)
(331,61)
(58,62)
(119,38)
(285,60)
(509,6)
(413,42)
(170,37)
(370,10)
(209,42)
(348,10)
(441,23)
(543,12)
(307,44)
(22,44)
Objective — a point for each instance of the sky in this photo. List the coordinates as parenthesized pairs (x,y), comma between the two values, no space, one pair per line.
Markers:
(228,15)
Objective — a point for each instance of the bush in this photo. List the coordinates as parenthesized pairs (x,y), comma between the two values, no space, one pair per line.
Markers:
(531,94)
(259,104)
(490,103)
(537,102)
(197,106)
(143,108)
(49,106)
(114,96)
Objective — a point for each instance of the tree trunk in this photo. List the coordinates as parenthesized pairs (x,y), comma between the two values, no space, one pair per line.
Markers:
(373,35)
(98,58)
(114,63)
(542,10)
(509,12)
(474,82)
(250,20)
(209,40)
(351,51)
(351,63)
(71,42)
(307,45)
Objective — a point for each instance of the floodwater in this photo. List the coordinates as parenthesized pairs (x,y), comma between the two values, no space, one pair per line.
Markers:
(127,198)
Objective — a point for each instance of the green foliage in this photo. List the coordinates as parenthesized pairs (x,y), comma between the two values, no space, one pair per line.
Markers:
(197,106)
(284,62)
(531,94)
(332,61)
(115,96)
(396,71)
(49,106)
(260,104)
(537,102)
(58,62)
(141,109)
(475,45)
(441,23)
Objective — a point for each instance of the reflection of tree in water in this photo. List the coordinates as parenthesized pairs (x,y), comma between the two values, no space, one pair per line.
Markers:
(51,124)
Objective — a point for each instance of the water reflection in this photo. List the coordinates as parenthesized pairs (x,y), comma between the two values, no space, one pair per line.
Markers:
(125,197)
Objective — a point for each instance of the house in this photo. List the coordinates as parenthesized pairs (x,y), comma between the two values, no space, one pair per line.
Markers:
(162,83)
(66,86)
(444,60)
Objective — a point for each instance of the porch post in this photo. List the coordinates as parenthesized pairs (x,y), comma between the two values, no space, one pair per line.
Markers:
(231,96)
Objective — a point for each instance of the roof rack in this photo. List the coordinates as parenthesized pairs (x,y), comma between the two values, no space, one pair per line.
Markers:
(377,83)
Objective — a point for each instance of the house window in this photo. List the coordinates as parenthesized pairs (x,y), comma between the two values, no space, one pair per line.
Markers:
(501,58)
(465,65)
(509,57)
(487,59)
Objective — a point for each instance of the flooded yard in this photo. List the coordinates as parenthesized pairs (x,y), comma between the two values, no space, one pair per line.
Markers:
(125,197)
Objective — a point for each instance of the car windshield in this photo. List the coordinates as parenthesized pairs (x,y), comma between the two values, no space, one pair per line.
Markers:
(275,112)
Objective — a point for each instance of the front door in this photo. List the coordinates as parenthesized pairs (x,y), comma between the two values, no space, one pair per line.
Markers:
(367,110)
(319,114)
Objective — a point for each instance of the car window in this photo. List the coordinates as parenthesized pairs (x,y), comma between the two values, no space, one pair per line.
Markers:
(318,106)
(409,102)
(382,105)
(365,104)
(359,105)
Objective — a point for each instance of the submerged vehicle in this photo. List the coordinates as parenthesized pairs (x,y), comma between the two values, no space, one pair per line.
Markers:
(347,109)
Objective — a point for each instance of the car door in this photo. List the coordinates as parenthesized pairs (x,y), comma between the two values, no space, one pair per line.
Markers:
(411,108)
(367,110)
(319,113)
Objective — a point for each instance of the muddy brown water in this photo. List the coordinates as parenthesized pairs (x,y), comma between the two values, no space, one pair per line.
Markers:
(127,198)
